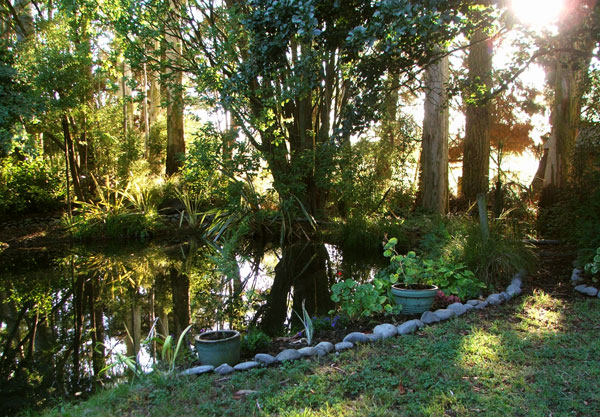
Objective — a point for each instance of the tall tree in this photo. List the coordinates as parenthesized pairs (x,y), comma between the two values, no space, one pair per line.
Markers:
(173,77)
(302,77)
(476,160)
(567,73)
(434,154)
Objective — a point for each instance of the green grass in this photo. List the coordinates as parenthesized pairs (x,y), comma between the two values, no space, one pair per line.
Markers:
(536,356)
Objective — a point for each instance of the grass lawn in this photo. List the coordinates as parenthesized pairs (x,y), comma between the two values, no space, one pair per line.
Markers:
(536,355)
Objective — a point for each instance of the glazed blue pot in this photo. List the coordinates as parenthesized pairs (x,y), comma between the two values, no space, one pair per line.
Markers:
(218,347)
(414,301)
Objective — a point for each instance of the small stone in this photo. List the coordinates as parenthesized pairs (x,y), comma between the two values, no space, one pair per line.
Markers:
(473,302)
(244,366)
(580,288)
(468,307)
(458,308)
(504,296)
(494,299)
(197,370)
(356,337)
(224,369)
(591,291)
(307,351)
(444,314)
(410,326)
(288,355)
(576,275)
(265,359)
(482,305)
(323,348)
(513,290)
(386,330)
(429,317)
(343,346)
(516,281)
(373,337)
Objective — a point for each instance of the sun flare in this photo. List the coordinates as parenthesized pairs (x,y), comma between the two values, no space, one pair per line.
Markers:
(539,13)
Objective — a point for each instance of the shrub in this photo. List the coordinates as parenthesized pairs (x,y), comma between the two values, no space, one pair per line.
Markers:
(254,340)
(495,259)
(29,186)
(359,300)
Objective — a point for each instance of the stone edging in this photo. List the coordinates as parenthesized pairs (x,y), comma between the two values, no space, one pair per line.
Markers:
(582,288)
(381,331)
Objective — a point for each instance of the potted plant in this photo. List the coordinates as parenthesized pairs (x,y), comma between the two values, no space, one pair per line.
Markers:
(218,347)
(412,280)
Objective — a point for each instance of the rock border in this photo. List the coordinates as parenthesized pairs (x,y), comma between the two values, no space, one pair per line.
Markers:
(576,277)
(381,331)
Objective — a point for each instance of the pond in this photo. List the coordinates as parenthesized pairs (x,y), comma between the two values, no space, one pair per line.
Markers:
(67,313)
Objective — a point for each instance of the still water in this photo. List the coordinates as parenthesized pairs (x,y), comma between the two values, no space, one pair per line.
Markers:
(66,314)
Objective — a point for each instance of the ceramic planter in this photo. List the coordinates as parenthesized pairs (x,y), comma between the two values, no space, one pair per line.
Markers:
(414,300)
(218,347)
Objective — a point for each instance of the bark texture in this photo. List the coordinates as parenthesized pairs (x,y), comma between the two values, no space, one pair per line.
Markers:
(476,158)
(434,154)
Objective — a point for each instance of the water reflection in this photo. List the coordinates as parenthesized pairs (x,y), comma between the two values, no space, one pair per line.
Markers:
(65,314)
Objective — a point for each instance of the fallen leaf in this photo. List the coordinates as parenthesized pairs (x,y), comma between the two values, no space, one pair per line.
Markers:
(242,393)
(401,389)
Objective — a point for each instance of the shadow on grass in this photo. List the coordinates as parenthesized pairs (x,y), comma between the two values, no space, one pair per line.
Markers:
(536,356)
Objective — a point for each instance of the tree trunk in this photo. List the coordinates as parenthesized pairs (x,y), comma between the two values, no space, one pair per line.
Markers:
(174,90)
(71,157)
(434,154)
(180,287)
(476,158)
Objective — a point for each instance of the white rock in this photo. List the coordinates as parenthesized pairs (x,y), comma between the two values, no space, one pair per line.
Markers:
(482,305)
(580,288)
(343,346)
(307,351)
(323,348)
(224,369)
(265,359)
(513,290)
(576,275)
(356,337)
(458,308)
(288,355)
(591,291)
(444,314)
(373,337)
(473,302)
(429,317)
(244,366)
(468,307)
(386,330)
(197,370)
(410,326)
(494,299)
(516,280)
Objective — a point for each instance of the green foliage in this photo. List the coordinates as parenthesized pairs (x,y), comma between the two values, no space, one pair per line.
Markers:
(127,213)
(410,269)
(593,267)
(358,300)
(254,341)
(309,329)
(30,185)
(495,259)
(168,353)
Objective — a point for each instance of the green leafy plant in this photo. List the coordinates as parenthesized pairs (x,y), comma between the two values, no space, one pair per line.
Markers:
(358,300)
(254,340)
(593,267)
(412,270)
(309,329)
(495,259)
(168,354)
